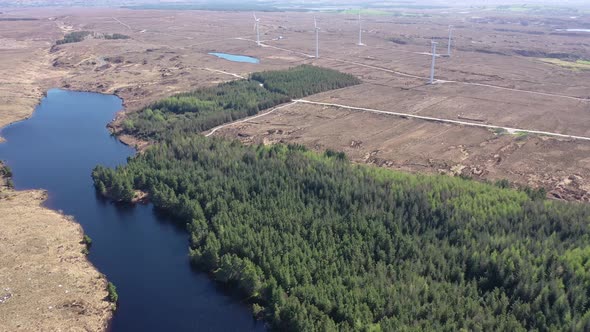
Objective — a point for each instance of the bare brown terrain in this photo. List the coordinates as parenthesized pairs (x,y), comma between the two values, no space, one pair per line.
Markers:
(25,66)
(497,75)
(46,282)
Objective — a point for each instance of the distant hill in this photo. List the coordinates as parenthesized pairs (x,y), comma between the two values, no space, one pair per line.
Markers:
(274,5)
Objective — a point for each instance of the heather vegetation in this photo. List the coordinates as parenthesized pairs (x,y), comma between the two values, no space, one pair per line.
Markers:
(6,176)
(113,296)
(5,171)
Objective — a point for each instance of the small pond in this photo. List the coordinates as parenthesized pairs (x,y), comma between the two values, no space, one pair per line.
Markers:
(235,58)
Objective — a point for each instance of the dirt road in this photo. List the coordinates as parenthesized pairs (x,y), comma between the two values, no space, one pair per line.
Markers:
(456,122)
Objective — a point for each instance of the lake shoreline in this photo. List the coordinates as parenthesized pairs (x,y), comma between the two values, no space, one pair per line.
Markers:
(28,207)
(50,282)
(59,162)
(101,313)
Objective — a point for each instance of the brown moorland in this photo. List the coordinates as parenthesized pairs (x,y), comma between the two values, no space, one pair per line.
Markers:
(46,282)
(498,75)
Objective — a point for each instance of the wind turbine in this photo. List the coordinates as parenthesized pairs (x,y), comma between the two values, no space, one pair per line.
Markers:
(450,40)
(317,38)
(433,61)
(257,28)
(360,31)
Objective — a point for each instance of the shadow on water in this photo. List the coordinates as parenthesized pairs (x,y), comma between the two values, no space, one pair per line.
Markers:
(143,252)
(167,218)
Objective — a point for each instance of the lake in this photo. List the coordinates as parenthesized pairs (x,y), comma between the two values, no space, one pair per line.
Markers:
(235,58)
(142,253)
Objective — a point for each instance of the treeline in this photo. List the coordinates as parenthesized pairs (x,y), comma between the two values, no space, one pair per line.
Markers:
(304,80)
(13,19)
(319,244)
(116,36)
(78,36)
(73,37)
(201,109)
(207,108)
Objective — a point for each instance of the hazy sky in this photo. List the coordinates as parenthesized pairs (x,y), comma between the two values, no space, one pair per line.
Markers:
(462,3)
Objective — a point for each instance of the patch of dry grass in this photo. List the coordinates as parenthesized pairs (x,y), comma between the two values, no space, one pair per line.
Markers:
(46,282)
(572,65)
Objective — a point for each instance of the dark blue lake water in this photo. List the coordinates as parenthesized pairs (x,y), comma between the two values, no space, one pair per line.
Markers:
(143,254)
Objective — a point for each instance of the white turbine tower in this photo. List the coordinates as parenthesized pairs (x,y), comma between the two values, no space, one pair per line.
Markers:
(257,28)
(433,62)
(317,38)
(450,40)
(360,31)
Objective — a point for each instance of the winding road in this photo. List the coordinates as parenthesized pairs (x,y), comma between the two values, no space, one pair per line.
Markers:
(405,116)
(250,118)
(224,72)
(456,122)
(413,116)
